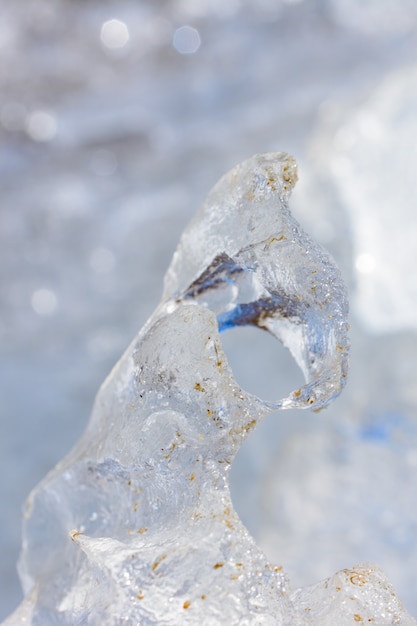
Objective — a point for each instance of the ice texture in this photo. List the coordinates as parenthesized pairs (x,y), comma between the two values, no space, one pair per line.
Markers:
(136,525)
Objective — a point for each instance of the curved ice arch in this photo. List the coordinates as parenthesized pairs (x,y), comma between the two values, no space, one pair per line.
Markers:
(246,258)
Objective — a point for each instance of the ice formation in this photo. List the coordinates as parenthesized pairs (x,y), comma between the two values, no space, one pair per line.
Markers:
(136,525)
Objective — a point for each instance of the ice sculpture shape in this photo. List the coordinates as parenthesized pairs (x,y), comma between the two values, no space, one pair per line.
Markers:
(136,524)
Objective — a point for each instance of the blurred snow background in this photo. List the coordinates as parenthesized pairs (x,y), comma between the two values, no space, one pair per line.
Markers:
(115,120)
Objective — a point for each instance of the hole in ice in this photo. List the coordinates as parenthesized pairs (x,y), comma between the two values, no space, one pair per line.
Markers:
(260,363)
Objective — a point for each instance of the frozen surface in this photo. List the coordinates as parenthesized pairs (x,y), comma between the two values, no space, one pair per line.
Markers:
(136,524)
(104,154)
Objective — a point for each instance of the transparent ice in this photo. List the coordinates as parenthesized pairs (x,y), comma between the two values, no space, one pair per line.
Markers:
(136,525)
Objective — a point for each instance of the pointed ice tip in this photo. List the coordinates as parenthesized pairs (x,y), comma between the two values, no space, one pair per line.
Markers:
(268,174)
(248,204)
(281,172)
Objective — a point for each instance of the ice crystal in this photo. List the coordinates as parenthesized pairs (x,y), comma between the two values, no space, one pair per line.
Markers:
(136,524)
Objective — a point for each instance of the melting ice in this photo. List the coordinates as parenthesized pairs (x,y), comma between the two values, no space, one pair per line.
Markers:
(136,524)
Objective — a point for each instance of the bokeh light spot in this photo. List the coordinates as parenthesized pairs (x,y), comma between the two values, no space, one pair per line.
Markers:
(41,126)
(186,40)
(102,260)
(365,263)
(114,34)
(44,301)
